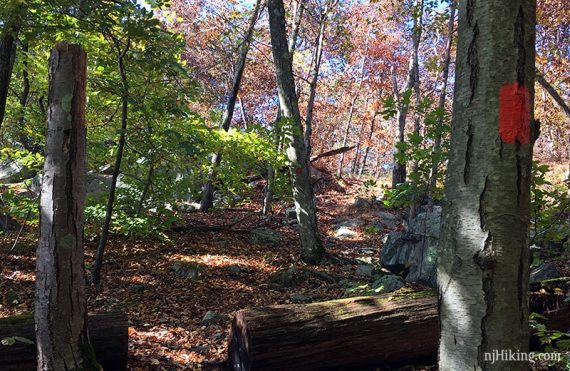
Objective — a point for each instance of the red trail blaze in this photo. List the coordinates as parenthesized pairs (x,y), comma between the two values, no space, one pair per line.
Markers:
(514,113)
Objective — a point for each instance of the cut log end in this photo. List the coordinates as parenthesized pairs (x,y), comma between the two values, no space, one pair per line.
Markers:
(108,332)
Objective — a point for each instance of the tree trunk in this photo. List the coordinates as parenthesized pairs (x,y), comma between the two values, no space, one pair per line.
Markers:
(399,172)
(352,105)
(312,250)
(442,96)
(355,159)
(346,334)
(483,263)
(108,332)
(314,79)
(60,304)
(561,103)
(7,58)
(370,136)
(98,264)
(207,200)
(271,172)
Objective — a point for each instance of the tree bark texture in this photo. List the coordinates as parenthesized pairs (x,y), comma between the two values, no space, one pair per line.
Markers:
(109,334)
(312,250)
(7,58)
(483,264)
(60,303)
(207,200)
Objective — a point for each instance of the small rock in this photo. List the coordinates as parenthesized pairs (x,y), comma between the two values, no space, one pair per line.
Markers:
(187,270)
(388,283)
(264,236)
(300,298)
(545,271)
(291,213)
(289,277)
(348,223)
(219,336)
(361,203)
(213,318)
(234,269)
(364,270)
(344,233)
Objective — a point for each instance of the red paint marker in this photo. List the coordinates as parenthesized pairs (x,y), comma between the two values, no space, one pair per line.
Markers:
(298,171)
(514,113)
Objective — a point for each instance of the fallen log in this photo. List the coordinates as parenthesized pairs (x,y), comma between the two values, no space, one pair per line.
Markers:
(334,334)
(108,331)
(332,152)
(341,334)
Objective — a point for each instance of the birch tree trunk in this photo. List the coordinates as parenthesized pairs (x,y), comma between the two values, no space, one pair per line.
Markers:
(312,250)
(399,172)
(207,200)
(60,303)
(483,268)
(7,58)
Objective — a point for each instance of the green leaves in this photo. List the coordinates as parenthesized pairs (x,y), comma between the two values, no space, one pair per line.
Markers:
(12,340)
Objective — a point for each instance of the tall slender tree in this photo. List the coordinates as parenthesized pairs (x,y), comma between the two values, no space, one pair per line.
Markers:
(443,95)
(312,250)
(207,200)
(60,308)
(399,172)
(483,264)
(8,40)
(121,47)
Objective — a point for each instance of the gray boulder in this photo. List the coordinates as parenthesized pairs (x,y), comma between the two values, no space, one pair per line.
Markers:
(388,283)
(213,318)
(386,219)
(412,254)
(545,271)
(264,236)
(14,172)
(186,270)
(364,270)
(362,203)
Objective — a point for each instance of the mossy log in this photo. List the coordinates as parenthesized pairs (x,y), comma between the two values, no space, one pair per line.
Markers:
(108,332)
(343,334)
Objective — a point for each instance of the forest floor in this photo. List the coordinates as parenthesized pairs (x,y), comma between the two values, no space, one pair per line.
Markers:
(166,310)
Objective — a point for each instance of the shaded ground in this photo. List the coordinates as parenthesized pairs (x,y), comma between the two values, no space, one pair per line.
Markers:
(165,310)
